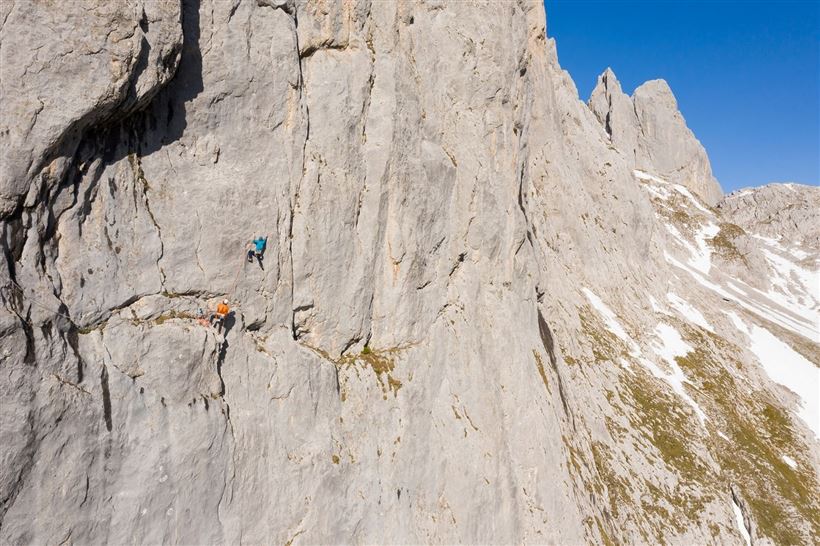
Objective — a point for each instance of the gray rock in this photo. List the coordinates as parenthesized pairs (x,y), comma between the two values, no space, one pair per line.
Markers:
(65,71)
(418,357)
(650,130)
(787,211)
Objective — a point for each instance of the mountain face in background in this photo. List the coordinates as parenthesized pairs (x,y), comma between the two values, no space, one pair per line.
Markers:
(487,312)
(649,128)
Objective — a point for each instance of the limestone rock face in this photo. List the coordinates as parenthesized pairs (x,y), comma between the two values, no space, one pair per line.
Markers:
(787,211)
(649,129)
(63,71)
(477,319)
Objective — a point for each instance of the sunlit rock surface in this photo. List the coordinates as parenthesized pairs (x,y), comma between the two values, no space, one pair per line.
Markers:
(481,317)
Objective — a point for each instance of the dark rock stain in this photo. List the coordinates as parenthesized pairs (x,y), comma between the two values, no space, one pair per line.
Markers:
(106,393)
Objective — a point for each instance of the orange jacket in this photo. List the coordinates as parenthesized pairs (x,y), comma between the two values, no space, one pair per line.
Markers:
(222,309)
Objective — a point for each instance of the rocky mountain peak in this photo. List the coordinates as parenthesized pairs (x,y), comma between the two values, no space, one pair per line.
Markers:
(608,80)
(650,130)
(659,90)
(478,316)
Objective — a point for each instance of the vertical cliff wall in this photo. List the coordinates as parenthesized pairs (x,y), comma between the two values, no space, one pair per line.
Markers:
(464,328)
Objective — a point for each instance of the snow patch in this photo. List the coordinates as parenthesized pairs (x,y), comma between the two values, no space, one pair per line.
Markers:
(668,346)
(767,240)
(611,320)
(736,288)
(655,307)
(685,192)
(680,238)
(641,175)
(741,525)
(787,367)
(789,461)
(798,253)
(700,255)
(671,343)
(731,292)
(795,287)
(690,313)
(659,191)
(702,261)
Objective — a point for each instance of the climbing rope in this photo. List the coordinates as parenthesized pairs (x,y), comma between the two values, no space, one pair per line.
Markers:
(37,302)
(230,293)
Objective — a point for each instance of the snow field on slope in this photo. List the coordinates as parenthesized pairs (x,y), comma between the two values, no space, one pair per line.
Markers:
(700,256)
(733,293)
(655,307)
(685,192)
(611,320)
(787,367)
(659,192)
(794,250)
(667,344)
(799,287)
(661,189)
(641,175)
(789,461)
(794,300)
(690,313)
(702,261)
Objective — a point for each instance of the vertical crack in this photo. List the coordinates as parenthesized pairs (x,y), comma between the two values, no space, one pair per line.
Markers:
(548,342)
(106,396)
(295,192)
(744,513)
(198,243)
(139,176)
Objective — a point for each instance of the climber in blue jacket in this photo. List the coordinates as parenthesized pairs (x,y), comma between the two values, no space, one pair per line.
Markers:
(256,248)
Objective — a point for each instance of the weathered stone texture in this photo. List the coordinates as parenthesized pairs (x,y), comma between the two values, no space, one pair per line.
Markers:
(417,360)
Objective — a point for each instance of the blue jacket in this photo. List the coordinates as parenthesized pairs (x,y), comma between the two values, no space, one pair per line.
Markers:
(260,244)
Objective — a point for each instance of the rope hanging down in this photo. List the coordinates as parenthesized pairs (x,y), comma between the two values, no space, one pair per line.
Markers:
(230,293)
(38,303)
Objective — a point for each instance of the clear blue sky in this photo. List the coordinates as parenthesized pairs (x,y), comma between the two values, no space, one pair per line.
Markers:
(745,74)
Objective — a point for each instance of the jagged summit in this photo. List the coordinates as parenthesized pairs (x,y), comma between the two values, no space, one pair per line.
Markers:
(609,79)
(650,130)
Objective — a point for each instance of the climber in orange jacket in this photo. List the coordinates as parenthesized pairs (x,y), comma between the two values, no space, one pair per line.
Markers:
(218,318)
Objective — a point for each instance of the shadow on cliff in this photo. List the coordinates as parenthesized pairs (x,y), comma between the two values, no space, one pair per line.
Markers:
(230,321)
(160,122)
(165,119)
(125,133)
(115,135)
